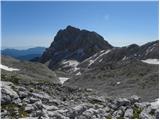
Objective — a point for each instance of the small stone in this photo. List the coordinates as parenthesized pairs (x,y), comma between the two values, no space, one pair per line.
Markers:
(62,111)
(123,102)
(117,114)
(56,115)
(97,106)
(155,105)
(134,99)
(80,108)
(89,113)
(123,108)
(40,114)
(112,106)
(22,94)
(96,100)
(22,89)
(5,99)
(54,102)
(50,108)
(17,101)
(38,105)
(108,115)
(29,108)
(33,100)
(128,113)
(106,109)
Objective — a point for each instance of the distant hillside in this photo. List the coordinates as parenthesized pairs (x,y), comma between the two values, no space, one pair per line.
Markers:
(26,72)
(27,54)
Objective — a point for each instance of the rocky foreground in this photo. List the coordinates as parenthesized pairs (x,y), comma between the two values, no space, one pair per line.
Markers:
(42,100)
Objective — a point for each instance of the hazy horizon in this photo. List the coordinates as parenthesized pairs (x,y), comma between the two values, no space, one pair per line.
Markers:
(28,47)
(31,24)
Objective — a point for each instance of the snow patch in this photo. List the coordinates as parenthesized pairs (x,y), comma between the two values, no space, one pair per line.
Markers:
(151,61)
(92,61)
(124,58)
(100,60)
(106,52)
(8,68)
(102,51)
(118,83)
(63,79)
(71,63)
(95,55)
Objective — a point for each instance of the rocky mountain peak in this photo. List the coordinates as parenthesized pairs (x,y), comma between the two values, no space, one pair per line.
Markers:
(65,36)
(75,44)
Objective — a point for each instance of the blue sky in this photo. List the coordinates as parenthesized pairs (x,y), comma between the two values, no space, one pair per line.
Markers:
(29,24)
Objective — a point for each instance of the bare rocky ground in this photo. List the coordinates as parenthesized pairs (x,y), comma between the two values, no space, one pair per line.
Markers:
(42,100)
(120,79)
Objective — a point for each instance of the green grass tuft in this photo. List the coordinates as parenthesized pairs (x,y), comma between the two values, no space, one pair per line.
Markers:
(136,112)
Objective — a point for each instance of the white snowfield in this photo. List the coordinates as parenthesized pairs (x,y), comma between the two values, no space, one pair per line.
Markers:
(151,61)
(71,62)
(8,68)
(118,83)
(106,52)
(63,79)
